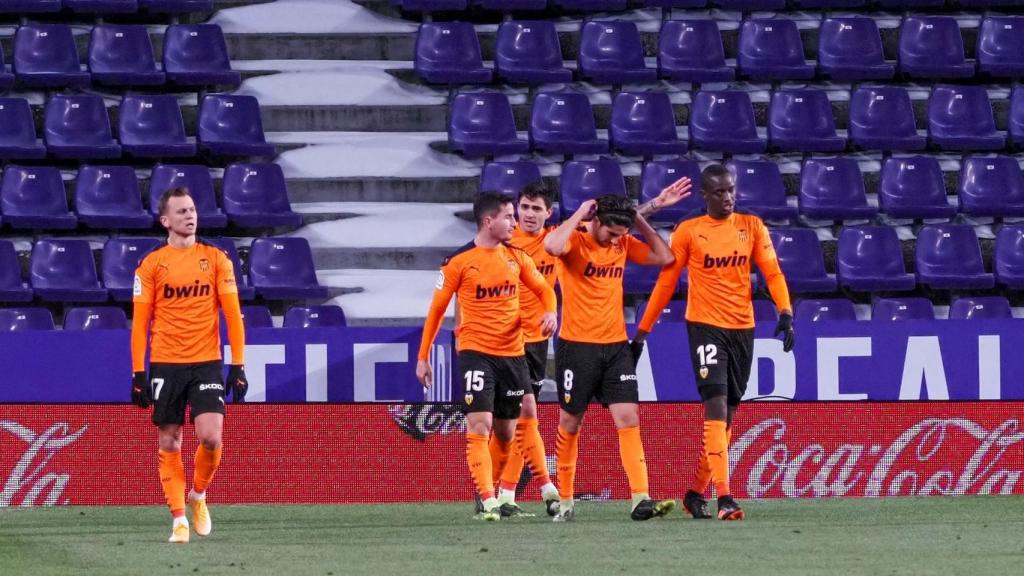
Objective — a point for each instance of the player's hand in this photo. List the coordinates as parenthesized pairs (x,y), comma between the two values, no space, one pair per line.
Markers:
(424,373)
(675,192)
(237,383)
(587,210)
(142,390)
(636,348)
(785,327)
(548,324)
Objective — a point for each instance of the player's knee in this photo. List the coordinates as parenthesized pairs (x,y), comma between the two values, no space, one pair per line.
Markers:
(529,408)
(211,440)
(625,415)
(571,423)
(716,408)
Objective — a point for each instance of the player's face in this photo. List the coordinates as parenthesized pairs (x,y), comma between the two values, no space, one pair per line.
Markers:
(180,216)
(608,235)
(501,225)
(533,214)
(720,196)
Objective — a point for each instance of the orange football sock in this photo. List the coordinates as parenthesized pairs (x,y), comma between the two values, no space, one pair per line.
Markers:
(500,452)
(702,478)
(479,459)
(172,478)
(631,451)
(566,452)
(532,446)
(207,462)
(513,468)
(716,449)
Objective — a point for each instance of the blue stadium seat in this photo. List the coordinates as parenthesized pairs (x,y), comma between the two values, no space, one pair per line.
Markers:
(658,174)
(481,124)
(1001,46)
(801,260)
(980,308)
(674,311)
(760,189)
(196,179)
(449,53)
(12,287)
(34,198)
(960,118)
(850,49)
(801,121)
(723,121)
(833,189)
(119,261)
(771,49)
(825,310)
(611,53)
(508,178)
(18,131)
(18,319)
(283,268)
(197,55)
(427,6)
(591,5)
(882,118)
(256,316)
(102,6)
(563,123)
(97,318)
(64,270)
(1016,120)
(991,187)
(948,257)
(675,3)
(1008,260)
(109,197)
(77,127)
(512,5)
(6,78)
(907,4)
(913,187)
(30,6)
(643,124)
(692,51)
(151,126)
(765,311)
(585,179)
(122,55)
(529,53)
(45,57)
(931,47)
(749,5)
(638,279)
(826,4)
(176,6)
(870,259)
(231,125)
(256,195)
(227,245)
(898,309)
(323,316)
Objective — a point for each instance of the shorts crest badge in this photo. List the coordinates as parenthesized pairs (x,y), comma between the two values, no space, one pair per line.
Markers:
(703,372)
(469,399)
(567,397)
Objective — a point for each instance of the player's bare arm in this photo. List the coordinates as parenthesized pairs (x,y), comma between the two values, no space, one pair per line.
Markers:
(660,254)
(669,195)
(557,242)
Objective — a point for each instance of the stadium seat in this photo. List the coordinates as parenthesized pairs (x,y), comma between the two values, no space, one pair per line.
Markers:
(980,308)
(120,259)
(931,47)
(6,78)
(948,257)
(12,287)
(850,49)
(122,55)
(102,6)
(591,5)
(897,309)
(960,118)
(801,260)
(674,311)
(643,124)
(256,195)
(991,187)
(833,189)
(449,53)
(481,124)
(283,268)
(913,187)
(151,126)
(749,5)
(231,125)
(109,197)
(801,121)
(563,123)
(511,5)
(825,310)
(882,118)
(585,179)
(45,57)
(64,270)
(771,49)
(197,55)
(675,3)
(1016,121)
(638,279)
(723,121)
(18,131)
(196,179)
(227,245)
(907,4)
(765,311)
(1001,46)
(658,174)
(529,53)
(1008,259)
(760,189)
(870,259)
(33,198)
(18,319)
(691,51)
(256,316)
(611,53)
(508,178)
(427,6)
(176,6)
(30,6)
(77,127)
(98,318)
(324,316)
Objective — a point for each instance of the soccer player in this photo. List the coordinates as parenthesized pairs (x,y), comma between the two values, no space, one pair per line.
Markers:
(485,276)
(182,287)
(718,248)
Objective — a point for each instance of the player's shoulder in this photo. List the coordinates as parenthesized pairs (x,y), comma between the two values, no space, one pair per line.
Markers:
(748,218)
(689,224)
(517,252)
(154,254)
(462,252)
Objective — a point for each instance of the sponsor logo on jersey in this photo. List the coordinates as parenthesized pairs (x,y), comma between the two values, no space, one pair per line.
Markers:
(730,261)
(196,289)
(499,291)
(602,271)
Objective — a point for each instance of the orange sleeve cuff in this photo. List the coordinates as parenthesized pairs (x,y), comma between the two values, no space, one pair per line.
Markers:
(141,314)
(236,327)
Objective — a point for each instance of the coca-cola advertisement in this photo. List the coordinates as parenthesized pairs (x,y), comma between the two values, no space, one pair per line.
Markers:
(302,453)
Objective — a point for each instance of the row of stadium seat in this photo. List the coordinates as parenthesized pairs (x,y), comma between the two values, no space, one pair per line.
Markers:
(746,5)
(643,123)
(611,52)
(111,318)
(149,126)
(45,56)
(64,270)
(106,6)
(34,197)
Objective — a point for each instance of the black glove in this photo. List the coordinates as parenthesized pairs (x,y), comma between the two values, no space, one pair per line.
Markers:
(142,390)
(636,347)
(785,326)
(237,383)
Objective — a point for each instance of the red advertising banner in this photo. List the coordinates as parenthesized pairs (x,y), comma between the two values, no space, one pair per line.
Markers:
(105,454)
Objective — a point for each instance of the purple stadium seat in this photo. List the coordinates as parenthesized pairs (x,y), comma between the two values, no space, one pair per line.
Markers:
(231,125)
(508,178)
(256,316)
(765,311)
(960,118)
(905,4)
(64,270)
(323,316)
(850,48)
(176,6)
(197,55)
(77,127)
(833,189)
(643,124)
(882,118)
(227,245)
(989,3)
(897,309)
(102,6)
(283,268)
(611,53)
(691,51)
(771,49)
(980,308)
(749,5)
(801,260)
(529,53)
(674,311)
(637,279)
(991,187)
(948,257)
(30,6)
(585,179)
(1001,46)
(819,4)
(760,189)
(591,5)
(563,123)
(675,3)
(431,5)
(801,121)
(34,198)
(931,47)
(658,174)
(512,5)
(119,261)
(449,53)
(913,187)
(1009,257)
(870,259)
(151,126)
(12,287)
(481,124)
(109,197)
(18,131)
(1016,121)
(45,56)
(122,55)
(6,78)
(98,318)
(825,310)
(197,180)
(18,319)
(723,121)
(256,195)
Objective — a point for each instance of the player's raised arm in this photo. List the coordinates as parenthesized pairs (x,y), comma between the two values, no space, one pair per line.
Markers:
(669,195)
(557,241)
(535,281)
(444,289)
(768,264)
(666,285)
(660,254)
